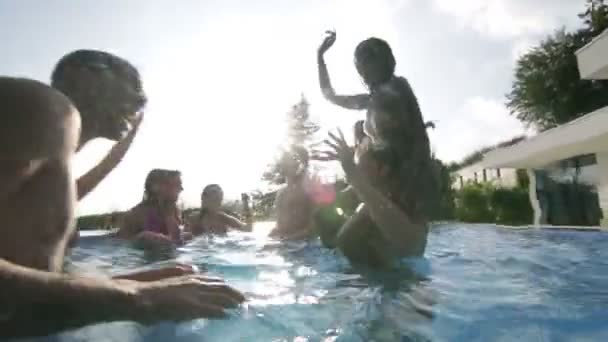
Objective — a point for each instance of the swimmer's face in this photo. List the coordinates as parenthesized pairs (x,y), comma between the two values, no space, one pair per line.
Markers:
(213,198)
(172,188)
(107,103)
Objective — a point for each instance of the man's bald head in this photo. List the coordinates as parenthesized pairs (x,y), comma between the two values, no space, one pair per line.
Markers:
(37,122)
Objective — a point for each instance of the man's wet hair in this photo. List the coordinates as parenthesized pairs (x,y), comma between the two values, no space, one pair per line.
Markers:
(95,59)
(379,51)
(209,188)
(99,99)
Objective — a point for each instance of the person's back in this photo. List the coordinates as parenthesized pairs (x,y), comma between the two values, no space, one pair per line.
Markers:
(35,139)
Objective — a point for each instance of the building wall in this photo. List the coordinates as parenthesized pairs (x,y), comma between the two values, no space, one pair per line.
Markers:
(478,174)
(602,186)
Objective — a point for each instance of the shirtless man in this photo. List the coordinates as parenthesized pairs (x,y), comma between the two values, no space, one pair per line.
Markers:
(39,134)
(294,205)
(108,93)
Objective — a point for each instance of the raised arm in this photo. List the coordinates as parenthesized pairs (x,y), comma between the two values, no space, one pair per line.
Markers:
(89,181)
(355,102)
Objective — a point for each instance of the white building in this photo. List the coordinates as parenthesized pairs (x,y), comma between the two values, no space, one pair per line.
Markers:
(477,173)
(587,135)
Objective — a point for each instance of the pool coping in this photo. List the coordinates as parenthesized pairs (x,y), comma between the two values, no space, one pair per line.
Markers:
(523,227)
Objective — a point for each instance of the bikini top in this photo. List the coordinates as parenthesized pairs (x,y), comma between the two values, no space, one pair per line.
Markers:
(154,223)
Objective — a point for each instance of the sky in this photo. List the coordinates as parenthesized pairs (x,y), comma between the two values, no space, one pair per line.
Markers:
(220,75)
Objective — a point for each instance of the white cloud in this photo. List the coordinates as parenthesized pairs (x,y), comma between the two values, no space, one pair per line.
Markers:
(480,122)
(512,18)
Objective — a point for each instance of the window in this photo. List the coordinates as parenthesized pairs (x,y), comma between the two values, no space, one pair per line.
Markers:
(498,174)
(485,175)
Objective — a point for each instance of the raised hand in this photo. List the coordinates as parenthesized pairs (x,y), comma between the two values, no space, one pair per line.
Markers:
(328,42)
(341,150)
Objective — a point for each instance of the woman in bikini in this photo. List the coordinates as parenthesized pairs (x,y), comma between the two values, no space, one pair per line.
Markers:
(156,219)
(213,220)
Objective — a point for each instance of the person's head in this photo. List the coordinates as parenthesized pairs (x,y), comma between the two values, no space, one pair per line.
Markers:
(162,185)
(374,61)
(153,184)
(106,90)
(294,163)
(171,186)
(212,197)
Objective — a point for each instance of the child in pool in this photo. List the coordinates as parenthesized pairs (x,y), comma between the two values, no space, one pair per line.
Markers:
(213,220)
(156,219)
(294,204)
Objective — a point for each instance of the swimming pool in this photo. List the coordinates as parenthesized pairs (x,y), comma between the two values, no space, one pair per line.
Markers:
(476,283)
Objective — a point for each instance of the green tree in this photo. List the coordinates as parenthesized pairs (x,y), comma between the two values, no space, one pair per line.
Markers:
(595,16)
(445,209)
(547,90)
(301,131)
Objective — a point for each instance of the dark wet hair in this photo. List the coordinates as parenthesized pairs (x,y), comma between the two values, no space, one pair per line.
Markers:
(209,188)
(377,51)
(156,176)
(102,98)
(206,190)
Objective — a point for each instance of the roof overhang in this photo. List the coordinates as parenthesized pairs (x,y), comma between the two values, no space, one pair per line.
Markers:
(593,58)
(587,134)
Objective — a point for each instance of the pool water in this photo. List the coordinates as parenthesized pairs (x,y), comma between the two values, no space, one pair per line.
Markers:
(476,283)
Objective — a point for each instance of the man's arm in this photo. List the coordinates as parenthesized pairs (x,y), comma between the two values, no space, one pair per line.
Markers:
(38,303)
(89,181)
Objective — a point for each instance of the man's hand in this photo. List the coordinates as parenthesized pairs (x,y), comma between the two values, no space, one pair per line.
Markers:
(183,298)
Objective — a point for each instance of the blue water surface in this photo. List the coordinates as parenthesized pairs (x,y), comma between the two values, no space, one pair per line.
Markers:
(476,283)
